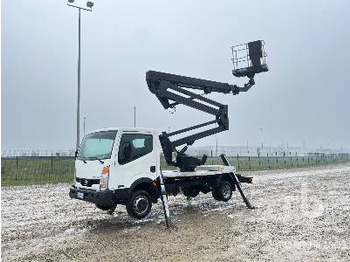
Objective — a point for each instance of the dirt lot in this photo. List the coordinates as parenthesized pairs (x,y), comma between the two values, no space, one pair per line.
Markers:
(301,214)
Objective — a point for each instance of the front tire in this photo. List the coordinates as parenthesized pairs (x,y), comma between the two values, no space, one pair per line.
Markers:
(139,205)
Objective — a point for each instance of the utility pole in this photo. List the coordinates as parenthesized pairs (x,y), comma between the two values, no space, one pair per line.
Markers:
(80,7)
(134,116)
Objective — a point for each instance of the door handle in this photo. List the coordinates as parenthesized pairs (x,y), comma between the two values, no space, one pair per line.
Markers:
(152,169)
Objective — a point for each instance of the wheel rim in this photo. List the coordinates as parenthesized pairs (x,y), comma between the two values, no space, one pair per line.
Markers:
(141,204)
(226,191)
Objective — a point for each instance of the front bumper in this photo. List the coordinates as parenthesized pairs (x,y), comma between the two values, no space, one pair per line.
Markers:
(103,198)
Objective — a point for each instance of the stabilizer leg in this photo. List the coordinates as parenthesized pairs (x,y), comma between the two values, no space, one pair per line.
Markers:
(238,184)
(164,202)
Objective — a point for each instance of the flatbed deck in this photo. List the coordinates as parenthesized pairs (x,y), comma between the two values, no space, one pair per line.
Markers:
(205,170)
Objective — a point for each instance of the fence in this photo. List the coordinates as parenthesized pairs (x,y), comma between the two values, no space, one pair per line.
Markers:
(266,161)
(34,169)
(275,162)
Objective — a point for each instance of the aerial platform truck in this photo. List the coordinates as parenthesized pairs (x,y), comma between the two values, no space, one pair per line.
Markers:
(122,165)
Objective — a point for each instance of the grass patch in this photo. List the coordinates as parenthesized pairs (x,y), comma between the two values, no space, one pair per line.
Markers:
(36,170)
(36,181)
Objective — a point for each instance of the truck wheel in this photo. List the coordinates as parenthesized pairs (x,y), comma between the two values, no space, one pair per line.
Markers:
(224,191)
(139,205)
(215,194)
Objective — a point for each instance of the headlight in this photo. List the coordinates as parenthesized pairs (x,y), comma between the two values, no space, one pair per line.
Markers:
(104,178)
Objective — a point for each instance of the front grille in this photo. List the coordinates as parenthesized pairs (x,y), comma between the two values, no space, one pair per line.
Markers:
(87,182)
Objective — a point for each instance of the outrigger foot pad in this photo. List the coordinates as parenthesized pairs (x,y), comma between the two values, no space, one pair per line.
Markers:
(111,211)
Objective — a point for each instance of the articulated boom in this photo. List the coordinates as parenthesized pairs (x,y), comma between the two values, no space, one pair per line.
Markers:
(173,90)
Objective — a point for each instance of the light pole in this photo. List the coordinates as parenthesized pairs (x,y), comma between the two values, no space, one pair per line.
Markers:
(134,116)
(87,6)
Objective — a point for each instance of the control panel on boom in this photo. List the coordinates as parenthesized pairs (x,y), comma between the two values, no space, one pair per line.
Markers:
(172,90)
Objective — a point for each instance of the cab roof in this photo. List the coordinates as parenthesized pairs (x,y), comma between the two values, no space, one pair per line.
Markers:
(126,129)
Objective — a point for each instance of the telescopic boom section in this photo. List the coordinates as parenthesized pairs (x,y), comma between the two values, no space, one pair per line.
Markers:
(172,90)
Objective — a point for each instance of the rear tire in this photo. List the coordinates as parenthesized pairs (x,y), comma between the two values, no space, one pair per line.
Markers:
(215,195)
(223,192)
(139,205)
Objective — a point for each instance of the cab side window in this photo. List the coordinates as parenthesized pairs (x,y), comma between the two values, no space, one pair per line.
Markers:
(134,146)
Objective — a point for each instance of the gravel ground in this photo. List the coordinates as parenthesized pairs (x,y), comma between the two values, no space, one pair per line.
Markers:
(301,214)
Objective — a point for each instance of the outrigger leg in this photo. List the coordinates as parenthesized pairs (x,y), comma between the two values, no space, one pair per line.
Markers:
(164,201)
(238,183)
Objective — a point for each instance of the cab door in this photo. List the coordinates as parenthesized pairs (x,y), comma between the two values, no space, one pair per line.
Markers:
(136,158)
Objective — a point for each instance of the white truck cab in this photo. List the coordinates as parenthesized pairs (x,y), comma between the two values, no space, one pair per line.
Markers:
(113,161)
(117,157)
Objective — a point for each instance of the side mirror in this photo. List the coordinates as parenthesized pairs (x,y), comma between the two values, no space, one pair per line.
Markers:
(126,151)
(76,154)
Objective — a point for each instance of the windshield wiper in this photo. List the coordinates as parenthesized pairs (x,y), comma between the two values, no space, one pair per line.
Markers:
(95,158)
(82,159)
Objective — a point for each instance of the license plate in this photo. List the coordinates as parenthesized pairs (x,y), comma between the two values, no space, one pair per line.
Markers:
(80,195)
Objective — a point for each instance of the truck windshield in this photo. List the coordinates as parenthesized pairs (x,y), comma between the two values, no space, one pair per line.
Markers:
(97,145)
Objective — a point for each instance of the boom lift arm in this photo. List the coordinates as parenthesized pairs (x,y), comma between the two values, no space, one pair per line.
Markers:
(173,90)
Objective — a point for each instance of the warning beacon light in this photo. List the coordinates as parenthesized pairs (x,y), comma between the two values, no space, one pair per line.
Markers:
(249,59)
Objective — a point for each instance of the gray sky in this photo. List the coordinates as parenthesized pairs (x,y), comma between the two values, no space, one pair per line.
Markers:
(304,97)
